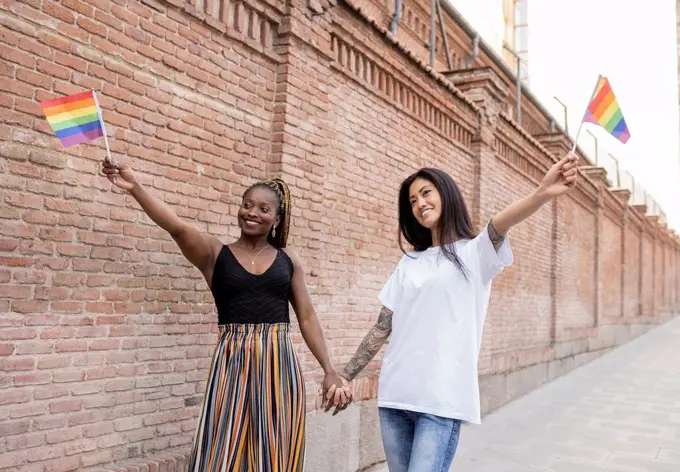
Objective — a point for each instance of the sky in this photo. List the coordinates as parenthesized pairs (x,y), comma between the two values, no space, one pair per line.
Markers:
(633,44)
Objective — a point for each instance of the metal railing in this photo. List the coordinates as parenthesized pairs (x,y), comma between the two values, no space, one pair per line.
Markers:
(620,178)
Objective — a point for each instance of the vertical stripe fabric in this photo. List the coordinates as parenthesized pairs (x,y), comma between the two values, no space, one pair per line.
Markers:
(253,415)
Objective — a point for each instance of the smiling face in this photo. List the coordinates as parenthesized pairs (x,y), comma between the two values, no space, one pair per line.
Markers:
(258,212)
(426,202)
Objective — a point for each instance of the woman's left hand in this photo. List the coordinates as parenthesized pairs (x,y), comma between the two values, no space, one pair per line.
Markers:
(561,177)
(336,392)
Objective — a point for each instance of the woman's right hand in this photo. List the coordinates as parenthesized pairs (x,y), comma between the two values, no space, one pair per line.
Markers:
(120,175)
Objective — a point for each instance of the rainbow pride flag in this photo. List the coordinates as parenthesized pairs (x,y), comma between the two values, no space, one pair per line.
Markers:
(75,119)
(604,110)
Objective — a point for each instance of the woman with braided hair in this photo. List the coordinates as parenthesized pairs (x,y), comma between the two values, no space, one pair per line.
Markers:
(253,414)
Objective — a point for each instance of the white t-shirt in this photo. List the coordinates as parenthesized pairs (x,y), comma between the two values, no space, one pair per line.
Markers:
(431,362)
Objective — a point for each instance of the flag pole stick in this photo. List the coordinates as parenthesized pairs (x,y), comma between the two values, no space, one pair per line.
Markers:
(101,120)
(573,149)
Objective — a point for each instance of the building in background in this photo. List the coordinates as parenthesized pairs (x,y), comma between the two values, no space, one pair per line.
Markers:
(563,85)
(677,29)
(504,25)
(516,35)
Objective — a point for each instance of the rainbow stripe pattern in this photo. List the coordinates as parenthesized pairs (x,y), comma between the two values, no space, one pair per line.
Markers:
(75,119)
(604,110)
(253,415)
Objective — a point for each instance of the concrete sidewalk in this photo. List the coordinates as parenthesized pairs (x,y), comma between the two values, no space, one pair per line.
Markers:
(619,413)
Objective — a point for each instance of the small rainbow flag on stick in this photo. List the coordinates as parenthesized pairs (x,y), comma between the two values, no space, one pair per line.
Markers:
(76,119)
(605,111)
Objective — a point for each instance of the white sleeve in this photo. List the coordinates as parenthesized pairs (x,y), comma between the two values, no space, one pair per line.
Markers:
(390,295)
(491,261)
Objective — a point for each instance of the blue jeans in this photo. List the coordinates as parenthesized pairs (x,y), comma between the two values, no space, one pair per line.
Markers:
(418,442)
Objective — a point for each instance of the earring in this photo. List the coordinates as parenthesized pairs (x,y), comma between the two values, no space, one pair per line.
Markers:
(273,232)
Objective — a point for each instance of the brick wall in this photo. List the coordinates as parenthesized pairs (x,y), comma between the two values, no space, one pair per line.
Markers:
(106,331)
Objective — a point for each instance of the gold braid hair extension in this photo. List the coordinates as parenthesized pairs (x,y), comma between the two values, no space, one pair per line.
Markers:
(286,203)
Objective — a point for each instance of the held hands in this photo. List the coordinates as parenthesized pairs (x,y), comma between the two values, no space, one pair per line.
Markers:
(120,175)
(336,393)
(561,177)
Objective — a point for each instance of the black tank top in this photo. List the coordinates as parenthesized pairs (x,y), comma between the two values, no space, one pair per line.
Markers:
(242,297)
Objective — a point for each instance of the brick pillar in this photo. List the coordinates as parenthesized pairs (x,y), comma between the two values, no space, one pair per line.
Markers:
(641,210)
(657,299)
(623,195)
(557,144)
(599,176)
(300,142)
(483,87)
(301,123)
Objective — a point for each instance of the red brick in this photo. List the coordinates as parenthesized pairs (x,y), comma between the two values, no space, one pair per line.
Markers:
(78,6)
(92,26)
(16,56)
(10,86)
(62,435)
(30,45)
(25,441)
(10,364)
(71,62)
(8,245)
(56,10)
(34,78)
(64,406)
(37,378)
(25,106)
(54,42)
(11,428)
(29,306)
(127,16)
(6,349)
(15,291)
(71,346)
(32,409)
(93,431)
(109,20)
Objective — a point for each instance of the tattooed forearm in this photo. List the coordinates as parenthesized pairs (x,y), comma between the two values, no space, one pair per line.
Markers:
(370,346)
(496,238)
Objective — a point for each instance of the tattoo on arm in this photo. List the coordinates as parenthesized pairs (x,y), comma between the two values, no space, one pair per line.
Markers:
(371,344)
(496,239)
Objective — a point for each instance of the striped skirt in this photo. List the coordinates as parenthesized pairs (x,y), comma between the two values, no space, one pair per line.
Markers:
(253,415)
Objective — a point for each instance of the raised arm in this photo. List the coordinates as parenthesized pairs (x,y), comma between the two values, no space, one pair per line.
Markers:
(200,250)
(371,344)
(559,179)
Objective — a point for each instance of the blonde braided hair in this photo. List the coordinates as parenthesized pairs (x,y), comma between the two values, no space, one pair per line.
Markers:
(280,236)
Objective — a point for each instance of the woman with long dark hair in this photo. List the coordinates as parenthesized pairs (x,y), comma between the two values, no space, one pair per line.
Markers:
(253,415)
(434,305)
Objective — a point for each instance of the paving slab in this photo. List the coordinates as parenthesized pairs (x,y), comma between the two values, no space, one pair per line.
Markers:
(619,413)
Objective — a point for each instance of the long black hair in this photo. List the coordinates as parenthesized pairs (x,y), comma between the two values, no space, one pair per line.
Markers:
(454,220)
(279,236)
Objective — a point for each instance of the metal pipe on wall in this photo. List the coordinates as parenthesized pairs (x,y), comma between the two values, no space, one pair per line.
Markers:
(618,171)
(518,85)
(490,53)
(442,28)
(396,16)
(566,116)
(433,32)
(596,146)
(475,51)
